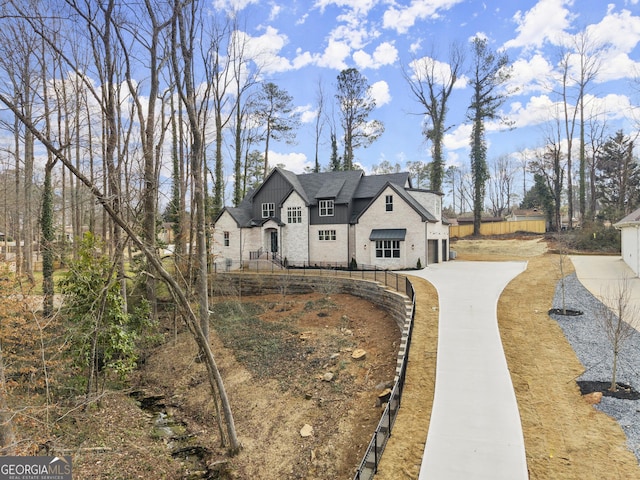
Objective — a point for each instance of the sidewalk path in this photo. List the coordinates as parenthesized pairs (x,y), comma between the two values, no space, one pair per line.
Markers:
(475,430)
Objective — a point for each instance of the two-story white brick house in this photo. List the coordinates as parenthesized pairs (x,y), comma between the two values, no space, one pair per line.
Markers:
(332,218)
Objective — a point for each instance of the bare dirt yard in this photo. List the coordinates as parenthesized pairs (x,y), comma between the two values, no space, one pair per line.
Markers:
(289,366)
(565,436)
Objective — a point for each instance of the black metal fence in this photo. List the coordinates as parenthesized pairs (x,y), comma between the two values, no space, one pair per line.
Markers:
(388,278)
(369,465)
(401,283)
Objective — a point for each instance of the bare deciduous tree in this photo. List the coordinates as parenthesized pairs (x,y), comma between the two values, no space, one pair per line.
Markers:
(431,83)
(618,315)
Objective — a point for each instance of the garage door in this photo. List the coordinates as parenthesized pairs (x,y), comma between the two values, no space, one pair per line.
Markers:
(432,251)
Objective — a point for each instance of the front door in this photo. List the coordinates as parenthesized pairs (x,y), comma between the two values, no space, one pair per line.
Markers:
(274,242)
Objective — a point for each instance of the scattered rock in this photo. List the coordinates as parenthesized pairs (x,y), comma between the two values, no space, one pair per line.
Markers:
(334,356)
(327,377)
(383,397)
(359,354)
(306,431)
(593,398)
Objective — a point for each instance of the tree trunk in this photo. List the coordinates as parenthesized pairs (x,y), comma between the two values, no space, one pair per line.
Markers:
(7,437)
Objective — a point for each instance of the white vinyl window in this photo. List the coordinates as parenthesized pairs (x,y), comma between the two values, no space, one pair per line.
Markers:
(294,215)
(326,208)
(268,210)
(388,200)
(324,235)
(388,249)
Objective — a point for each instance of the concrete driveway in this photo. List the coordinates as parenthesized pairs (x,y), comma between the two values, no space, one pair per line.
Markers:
(475,430)
(603,276)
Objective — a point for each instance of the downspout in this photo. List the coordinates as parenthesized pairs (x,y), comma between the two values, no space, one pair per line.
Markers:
(426,243)
(638,250)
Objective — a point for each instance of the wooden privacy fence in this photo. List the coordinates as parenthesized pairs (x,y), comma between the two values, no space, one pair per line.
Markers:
(499,228)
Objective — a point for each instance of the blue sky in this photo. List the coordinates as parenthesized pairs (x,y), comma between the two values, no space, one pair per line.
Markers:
(307,42)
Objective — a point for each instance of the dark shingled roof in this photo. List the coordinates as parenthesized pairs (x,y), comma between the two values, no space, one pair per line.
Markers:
(316,184)
(344,187)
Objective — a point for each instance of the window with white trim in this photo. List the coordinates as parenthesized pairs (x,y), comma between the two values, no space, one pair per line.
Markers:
(294,214)
(387,248)
(226,239)
(326,208)
(268,210)
(324,235)
(388,201)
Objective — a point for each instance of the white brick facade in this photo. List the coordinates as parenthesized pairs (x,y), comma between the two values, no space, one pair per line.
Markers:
(295,236)
(377,221)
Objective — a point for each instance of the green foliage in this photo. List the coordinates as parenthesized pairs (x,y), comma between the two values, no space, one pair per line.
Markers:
(489,71)
(419,264)
(356,104)
(101,334)
(594,238)
(539,196)
(353,265)
(617,178)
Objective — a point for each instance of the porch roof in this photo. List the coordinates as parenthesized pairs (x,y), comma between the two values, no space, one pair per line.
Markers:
(388,234)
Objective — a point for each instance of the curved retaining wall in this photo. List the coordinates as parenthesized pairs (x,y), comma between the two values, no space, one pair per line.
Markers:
(397,304)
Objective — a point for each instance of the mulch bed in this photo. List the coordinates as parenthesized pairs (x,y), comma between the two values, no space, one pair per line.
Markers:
(624,392)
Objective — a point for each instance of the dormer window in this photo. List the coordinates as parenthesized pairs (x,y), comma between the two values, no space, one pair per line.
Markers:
(326,208)
(268,210)
(388,201)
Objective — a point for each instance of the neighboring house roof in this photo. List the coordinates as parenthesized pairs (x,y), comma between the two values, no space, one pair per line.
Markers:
(632,219)
(534,212)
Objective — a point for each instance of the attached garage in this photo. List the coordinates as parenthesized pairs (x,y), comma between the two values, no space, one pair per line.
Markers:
(432,251)
(629,228)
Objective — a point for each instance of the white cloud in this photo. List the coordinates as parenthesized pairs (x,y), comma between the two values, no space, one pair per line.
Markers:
(275,11)
(538,110)
(402,18)
(530,75)
(356,36)
(295,162)
(384,54)
(265,48)
(440,71)
(617,66)
(334,55)
(458,138)
(380,93)
(307,113)
(620,30)
(545,22)
(233,5)
(360,7)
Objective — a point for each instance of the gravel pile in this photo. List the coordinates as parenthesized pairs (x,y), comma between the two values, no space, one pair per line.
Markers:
(588,338)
